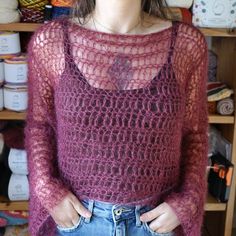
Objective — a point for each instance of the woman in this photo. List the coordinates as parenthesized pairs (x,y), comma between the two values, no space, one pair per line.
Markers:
(116,128)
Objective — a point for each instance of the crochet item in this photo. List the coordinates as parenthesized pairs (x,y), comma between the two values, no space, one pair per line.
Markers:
(33,4)
(120,118)
(9,12)
(217,91)
(180,3)
(212,107)
(225,106)
(32,10)
(212,67)
(62,3)
(17,230)
(180,14)
(14,217)
(31,15)
(60,11)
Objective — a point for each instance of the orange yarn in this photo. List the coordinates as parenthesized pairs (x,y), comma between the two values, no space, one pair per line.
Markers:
(62,3)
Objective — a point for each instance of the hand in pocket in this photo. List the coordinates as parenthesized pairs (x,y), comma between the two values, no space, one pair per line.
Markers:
(163,219)
(67,213)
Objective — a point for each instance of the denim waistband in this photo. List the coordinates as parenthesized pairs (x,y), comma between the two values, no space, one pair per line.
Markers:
(114,212)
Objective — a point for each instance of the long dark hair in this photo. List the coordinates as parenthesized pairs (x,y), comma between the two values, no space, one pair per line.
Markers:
(157,8)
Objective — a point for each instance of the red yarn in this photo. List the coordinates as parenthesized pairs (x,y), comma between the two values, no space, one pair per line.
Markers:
(117,118)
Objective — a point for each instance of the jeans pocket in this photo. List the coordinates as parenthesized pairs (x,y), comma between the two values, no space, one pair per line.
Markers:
(74,228)
(153,233)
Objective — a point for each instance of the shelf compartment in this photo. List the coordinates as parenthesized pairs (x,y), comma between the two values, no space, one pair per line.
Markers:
(20,27)
(219,119)
(212,204)
(5,204)
(6,114)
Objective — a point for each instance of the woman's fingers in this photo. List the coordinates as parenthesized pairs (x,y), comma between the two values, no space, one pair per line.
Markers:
(75,220)
(68,212)
(163,219)
(79,207)
(152,214)
(161,224)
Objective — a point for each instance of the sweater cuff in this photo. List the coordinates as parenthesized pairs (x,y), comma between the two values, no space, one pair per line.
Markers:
(190,223)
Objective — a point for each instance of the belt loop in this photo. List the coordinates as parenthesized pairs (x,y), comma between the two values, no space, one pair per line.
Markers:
(90,208)
(137,215)
(113,213)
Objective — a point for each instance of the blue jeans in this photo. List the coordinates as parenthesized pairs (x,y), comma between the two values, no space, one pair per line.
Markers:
(111,220)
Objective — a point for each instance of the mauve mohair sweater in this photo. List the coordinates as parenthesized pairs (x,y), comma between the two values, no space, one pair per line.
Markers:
(120,118)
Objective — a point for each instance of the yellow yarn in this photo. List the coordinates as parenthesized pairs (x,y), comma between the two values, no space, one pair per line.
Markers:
(39,4)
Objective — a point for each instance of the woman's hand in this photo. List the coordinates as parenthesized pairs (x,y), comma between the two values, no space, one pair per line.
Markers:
(164,218)
(67,212)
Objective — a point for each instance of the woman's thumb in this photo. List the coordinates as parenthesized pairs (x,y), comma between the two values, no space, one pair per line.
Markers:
(80,208)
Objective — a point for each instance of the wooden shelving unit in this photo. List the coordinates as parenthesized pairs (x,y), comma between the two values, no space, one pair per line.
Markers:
(20,27)
(213,205)
(224,44)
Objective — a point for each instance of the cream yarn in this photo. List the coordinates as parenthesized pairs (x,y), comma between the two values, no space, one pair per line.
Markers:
(180,3)
(9,4)
(9,12)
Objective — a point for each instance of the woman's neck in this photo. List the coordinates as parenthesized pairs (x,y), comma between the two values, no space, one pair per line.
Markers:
(118,15)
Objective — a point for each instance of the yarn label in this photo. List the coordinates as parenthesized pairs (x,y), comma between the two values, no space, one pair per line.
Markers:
(17,161)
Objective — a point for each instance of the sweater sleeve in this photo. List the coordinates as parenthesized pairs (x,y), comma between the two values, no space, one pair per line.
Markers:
(40,129)
(189,199)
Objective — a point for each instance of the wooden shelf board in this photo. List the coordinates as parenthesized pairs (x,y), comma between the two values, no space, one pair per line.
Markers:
(12,115)
(213,205)
(5,204)
(23,27)
(219,119)
(217,32)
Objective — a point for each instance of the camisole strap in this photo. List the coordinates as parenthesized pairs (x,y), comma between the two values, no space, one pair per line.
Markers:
(66,41)
(174,33)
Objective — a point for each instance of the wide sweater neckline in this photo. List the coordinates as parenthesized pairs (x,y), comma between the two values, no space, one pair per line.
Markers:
(118,35)
(112,36)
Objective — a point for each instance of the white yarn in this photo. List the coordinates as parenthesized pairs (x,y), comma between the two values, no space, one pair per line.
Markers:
(9,16)
(180,3)
(9,4)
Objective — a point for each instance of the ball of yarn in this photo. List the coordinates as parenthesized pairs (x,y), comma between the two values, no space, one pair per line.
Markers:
(225,106)
(180,3)
(9,4)
(211,107)
(212,66)
(31,15)
(60,11)
(33,4)
(9,16)
(62,3)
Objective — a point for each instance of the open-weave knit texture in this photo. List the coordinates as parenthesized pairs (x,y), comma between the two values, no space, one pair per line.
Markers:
(120,118)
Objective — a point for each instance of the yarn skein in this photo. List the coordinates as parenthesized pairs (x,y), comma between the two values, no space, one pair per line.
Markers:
(9,16)
(62,3)
(9,12)
(9,4)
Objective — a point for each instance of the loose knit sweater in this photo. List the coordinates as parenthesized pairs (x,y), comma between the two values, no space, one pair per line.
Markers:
(120,118)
